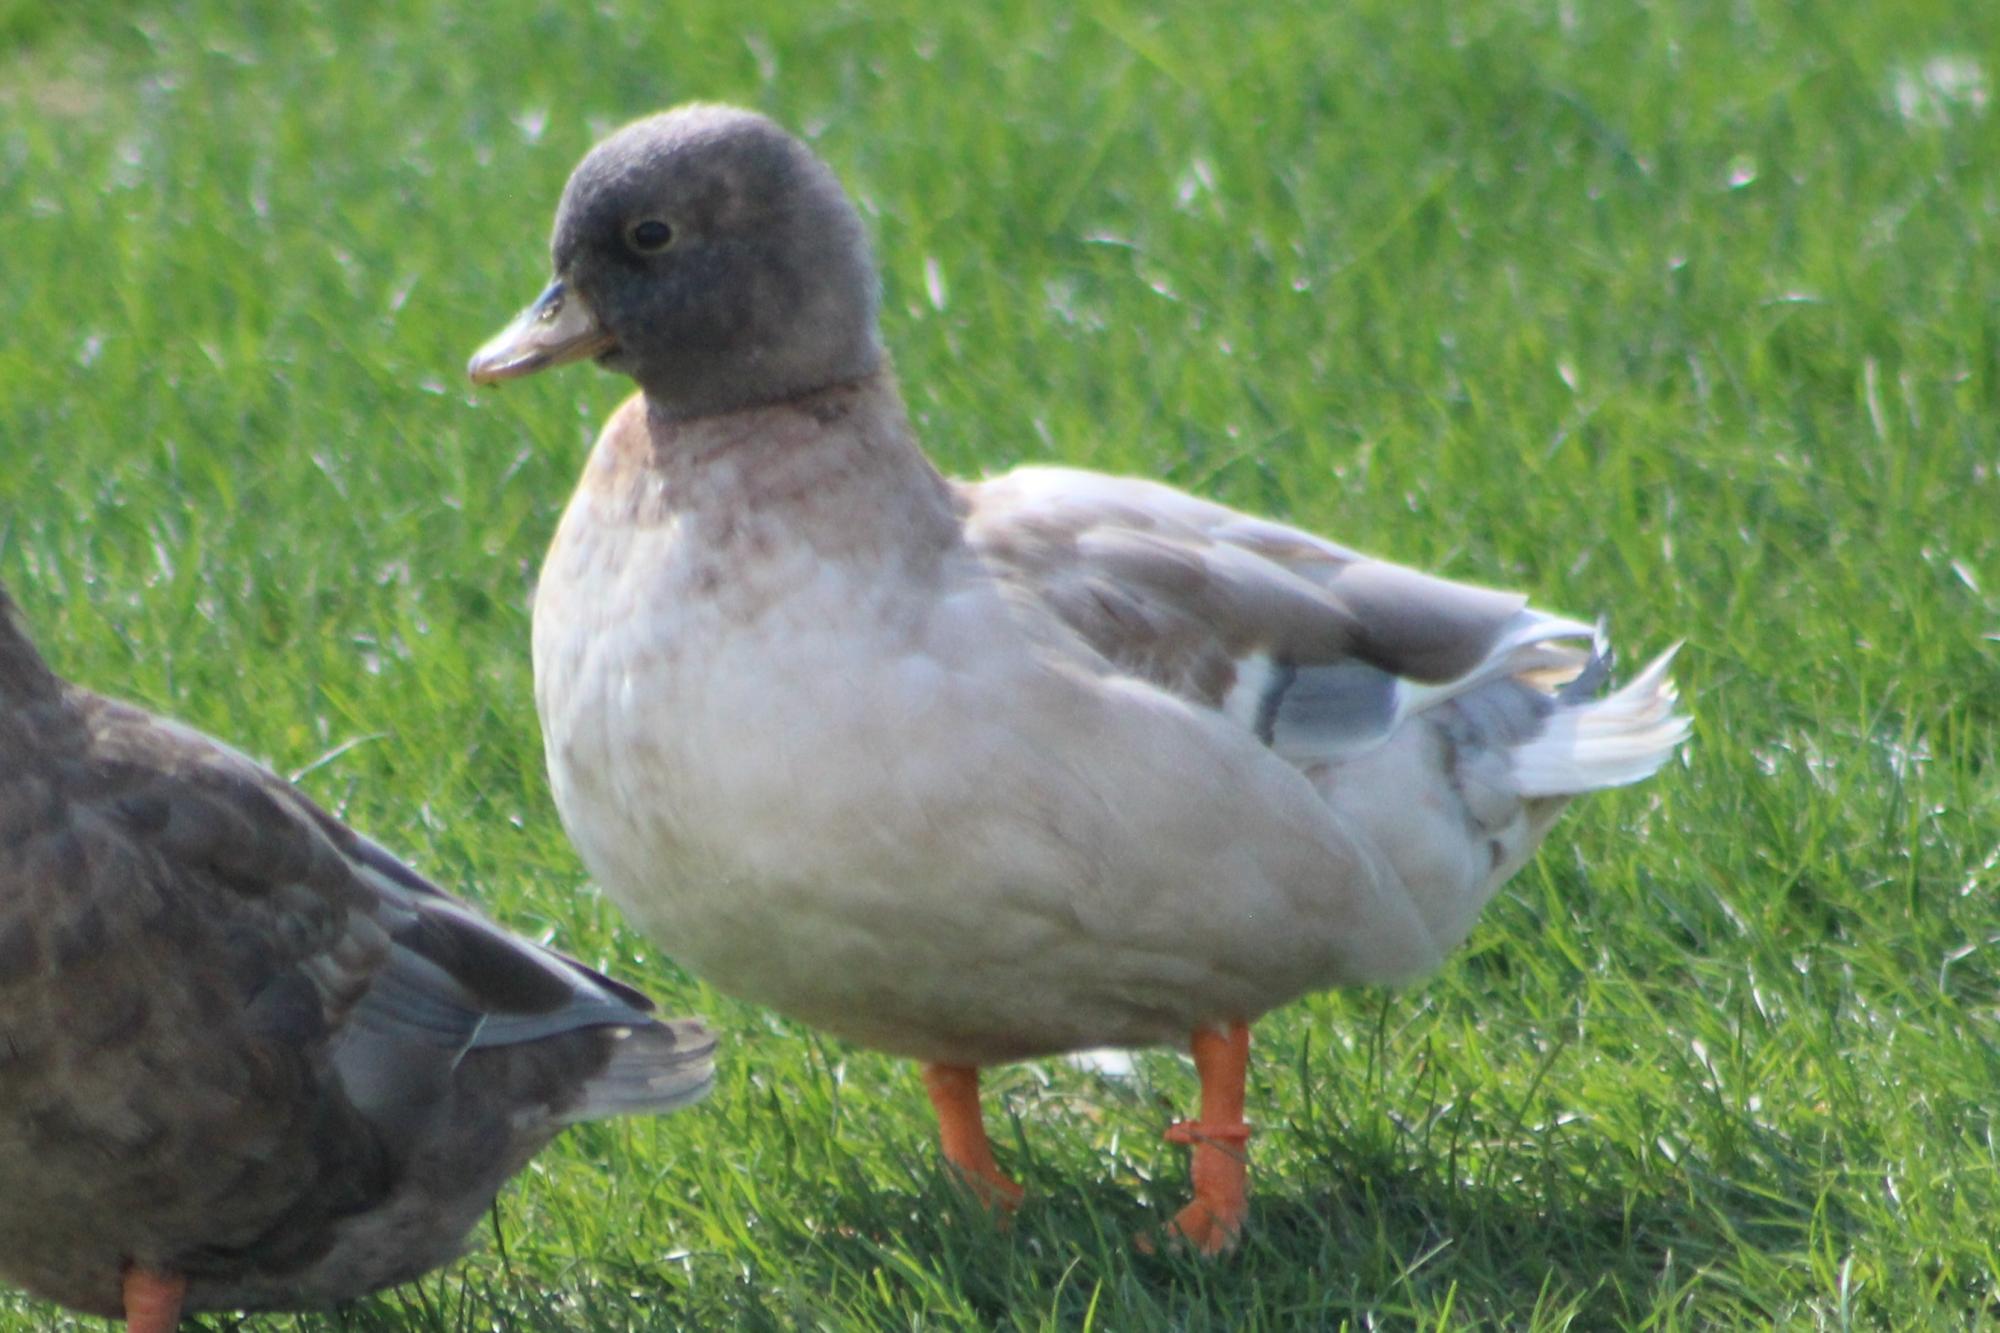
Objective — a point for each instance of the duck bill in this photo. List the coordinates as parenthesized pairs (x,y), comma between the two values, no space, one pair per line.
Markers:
(559,327)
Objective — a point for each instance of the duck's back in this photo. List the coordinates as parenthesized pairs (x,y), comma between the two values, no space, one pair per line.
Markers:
(166,1070)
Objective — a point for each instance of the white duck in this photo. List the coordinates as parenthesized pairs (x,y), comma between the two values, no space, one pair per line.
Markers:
(979,771)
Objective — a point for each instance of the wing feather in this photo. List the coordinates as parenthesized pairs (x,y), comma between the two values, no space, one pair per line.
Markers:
(1319,650)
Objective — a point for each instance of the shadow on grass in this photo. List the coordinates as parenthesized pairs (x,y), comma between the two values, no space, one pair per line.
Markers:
(1384,1238)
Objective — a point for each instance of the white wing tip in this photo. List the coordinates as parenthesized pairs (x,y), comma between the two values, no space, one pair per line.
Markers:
(1619,739)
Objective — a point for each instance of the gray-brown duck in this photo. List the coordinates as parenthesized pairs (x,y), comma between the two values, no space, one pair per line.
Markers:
(249,1059)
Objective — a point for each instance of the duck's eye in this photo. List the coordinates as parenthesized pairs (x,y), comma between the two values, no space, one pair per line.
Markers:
(649,237)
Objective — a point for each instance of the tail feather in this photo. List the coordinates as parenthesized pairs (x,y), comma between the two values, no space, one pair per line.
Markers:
(1621,738)
(658,1067)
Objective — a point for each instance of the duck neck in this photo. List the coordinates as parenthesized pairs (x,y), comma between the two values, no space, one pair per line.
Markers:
(836,469)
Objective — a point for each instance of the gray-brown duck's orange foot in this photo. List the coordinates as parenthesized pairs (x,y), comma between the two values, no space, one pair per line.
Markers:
(152,1301)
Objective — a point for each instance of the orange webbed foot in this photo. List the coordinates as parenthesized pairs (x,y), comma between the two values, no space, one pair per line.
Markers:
(1206,1231)
(1000,1194)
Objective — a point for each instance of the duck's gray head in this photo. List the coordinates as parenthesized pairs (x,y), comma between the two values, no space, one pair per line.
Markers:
(709,255)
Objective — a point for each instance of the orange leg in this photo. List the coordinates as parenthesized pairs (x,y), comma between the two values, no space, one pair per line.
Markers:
(954,1091)
(152,1301)
(1215,1219)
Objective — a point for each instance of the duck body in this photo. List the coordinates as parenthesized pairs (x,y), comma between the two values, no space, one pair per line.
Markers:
(248,1059)
(812,714)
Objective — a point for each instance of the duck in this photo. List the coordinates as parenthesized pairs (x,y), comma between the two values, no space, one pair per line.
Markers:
(975,772)
(250,1060)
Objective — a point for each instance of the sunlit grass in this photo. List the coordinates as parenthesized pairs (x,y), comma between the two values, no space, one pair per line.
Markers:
(1688,313)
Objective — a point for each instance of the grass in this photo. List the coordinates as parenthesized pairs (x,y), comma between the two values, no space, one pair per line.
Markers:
(1685,312)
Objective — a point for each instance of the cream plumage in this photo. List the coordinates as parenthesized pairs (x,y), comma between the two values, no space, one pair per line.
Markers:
(973,772)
